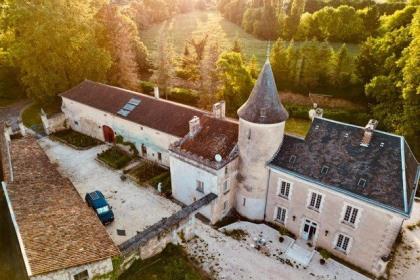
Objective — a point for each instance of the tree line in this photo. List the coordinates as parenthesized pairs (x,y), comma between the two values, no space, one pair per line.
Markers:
(335,20)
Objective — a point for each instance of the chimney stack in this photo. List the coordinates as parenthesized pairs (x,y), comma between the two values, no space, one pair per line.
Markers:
(315,112)
(156,92)
(219,110)
(368,133)
(194,126)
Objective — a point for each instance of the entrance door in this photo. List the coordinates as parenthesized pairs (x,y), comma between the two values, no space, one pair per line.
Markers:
(309,230)
(108,134)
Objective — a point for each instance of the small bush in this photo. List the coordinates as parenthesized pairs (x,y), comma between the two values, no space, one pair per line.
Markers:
(184,96)
(147,87)
(115,157)
(281,239)
(324,253)
(237,234)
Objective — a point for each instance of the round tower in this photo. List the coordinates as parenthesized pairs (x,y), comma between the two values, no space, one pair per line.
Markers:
(261,131)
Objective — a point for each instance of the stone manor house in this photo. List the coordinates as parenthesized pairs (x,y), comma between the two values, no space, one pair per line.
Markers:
(344,188)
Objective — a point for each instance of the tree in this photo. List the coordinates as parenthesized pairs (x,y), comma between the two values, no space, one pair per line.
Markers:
(236,81)
(280,64)
(54,45)
(209,77)
(342,68)
(237,46)
(164,68)
(292,20)
(119,36)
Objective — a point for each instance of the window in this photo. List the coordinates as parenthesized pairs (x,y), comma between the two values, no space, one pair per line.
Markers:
(292,159)
(143,150)
(350,215)
(244,202)
(315,202)
(281,215)
(200,186)
(226,170)
(102,210)
(284,189)
(324,170)
(84,275)
(76,122)
(361,183)
(343,242)
(225,186)
(160,156)
(249,134)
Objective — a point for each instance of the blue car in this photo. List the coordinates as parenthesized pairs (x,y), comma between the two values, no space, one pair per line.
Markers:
(97,201)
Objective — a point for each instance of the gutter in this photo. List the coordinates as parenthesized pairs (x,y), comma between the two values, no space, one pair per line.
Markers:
(404,178)
(15,225)
(370,201)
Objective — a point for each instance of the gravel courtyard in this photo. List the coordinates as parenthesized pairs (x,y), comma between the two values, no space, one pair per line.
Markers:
(230,259)
(134,207)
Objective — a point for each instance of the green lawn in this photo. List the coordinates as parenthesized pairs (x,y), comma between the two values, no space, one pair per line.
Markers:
(195,24)
(297,126)
(171,264)
(31,117)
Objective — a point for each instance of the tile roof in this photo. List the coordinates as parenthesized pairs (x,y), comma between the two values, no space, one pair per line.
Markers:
(58,230)
(337,145)
(159,114)
(216,136)
(263,105)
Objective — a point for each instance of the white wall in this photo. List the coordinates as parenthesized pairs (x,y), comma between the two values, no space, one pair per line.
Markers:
(88,120)
(184,176)
(94,269)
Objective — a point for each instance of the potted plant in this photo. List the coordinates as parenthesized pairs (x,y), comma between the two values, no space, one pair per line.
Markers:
(325,255)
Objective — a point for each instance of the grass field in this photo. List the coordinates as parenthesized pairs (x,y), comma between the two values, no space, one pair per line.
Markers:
(298,127)
(171,264)
(195,24)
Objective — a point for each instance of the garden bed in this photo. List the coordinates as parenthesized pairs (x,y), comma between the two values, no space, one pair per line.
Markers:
(75,139)
(114,157)
(150,173)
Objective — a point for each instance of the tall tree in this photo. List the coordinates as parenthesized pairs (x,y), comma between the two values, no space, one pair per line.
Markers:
(54,45)
(236,81)
(293,19)
(119,36)
(164,63)
(209,77)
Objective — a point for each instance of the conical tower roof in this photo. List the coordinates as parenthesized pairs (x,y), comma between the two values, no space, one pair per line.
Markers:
(263,105)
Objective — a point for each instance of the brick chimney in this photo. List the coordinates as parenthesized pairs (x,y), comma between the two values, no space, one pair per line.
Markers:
(156,92)
(315,112)
(194,126)
(219,110)
(368,133)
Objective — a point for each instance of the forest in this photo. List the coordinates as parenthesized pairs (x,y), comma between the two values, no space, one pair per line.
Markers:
(49,46)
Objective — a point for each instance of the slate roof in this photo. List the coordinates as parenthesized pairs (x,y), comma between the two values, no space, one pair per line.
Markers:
(162,115)
(264,100)
(337,146)
(216,136)
(58,230)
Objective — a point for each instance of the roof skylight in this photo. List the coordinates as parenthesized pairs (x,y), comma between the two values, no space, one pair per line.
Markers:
(128,107)
(361,183)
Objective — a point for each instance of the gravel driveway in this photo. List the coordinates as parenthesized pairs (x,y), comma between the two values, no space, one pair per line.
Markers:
(134,207)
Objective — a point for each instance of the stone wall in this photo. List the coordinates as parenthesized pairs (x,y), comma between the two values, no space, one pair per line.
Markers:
(94,269)
(90,121)
(372,237)
(54,123)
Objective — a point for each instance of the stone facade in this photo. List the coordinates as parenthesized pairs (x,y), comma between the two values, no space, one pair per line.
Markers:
(257,144)
(93,269)
(371,237)
(90,121)
(221,182)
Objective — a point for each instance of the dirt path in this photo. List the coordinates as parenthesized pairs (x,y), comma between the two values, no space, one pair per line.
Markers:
(12,113)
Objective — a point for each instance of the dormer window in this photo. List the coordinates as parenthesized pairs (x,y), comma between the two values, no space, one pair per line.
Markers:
(292,159)
(346,135)
(324,170)
(382,144)
(317,127)
(361,183)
